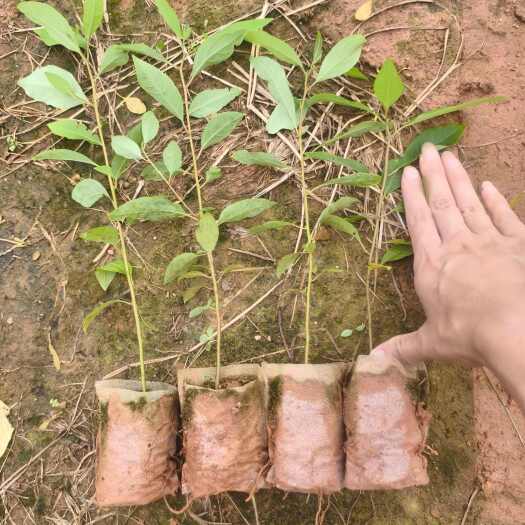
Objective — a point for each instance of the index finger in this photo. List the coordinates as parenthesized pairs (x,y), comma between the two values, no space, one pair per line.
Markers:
(420,221)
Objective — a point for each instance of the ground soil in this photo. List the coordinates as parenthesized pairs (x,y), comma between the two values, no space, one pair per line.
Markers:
(47,286)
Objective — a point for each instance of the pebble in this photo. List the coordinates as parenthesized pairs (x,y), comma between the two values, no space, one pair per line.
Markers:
(36,256)
(9,320)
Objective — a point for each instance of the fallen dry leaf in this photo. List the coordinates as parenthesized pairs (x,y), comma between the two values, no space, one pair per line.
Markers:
(53,352)
(135,105)
(364,12)
(6,430)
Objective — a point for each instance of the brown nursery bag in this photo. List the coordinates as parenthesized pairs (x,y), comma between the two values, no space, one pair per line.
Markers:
(136,443)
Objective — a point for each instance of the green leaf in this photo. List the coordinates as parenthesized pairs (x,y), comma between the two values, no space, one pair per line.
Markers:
(213,173)
(352,164)
(207,232)
(73,130)
(88,191)
(388,86)
(91,316)
(286,262)
(179,265)
(170,17)
(219,127)
(105,170)
(172,157)
(214,50)
(396,253)
(104,234)
(157,208)
(441,137)
(92,17)
(368,126)
(113,58)
(269,225)
(360,180)
(318,48)
(245,26)
(341,224)
(211,101)
(65,155)
(342,57)
(155,171)
(143,49)
(438,112)
(338,205)
(327,98)
(56,27)
(158,85)
(199,310)
(191,292)
(356,73)
(244,209)
(259,158)
(150,126)
(285,113)
(277,47)
(63,86)
(38,86)
(347,332)
(125,147)
(104,278)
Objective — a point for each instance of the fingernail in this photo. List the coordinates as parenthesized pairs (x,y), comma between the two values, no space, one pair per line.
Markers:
(486,185)
(410,172)
(378,351)
(428,147)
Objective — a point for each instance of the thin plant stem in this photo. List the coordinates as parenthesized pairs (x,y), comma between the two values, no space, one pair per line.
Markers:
(93,77)
(373,256)
(211,264)
(304,194)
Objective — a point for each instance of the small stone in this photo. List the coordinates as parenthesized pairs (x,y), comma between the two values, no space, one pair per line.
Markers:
(9,320)
(257,337)
(75,178)
(35,256)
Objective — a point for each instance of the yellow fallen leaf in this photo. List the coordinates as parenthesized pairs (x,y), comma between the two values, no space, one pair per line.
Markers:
(135,105)
(364,12)
(6,430)
(53,352)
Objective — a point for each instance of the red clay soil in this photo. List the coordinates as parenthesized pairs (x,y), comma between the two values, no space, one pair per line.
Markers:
(306,430)
(136,443)
(386,430)
(224,431)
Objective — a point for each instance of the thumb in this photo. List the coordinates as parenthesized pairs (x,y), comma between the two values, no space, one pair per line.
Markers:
(408,348)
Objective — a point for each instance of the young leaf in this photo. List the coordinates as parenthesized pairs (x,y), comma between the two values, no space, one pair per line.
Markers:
(259,158)
(360,180)
(340,224)
(211,101)
(277,47)
(269,225)
(441,137)
(396,253)
(113,58)
(92,17)
(179,265)
(318,48)
(213,173)
(352,164)
(342,57)
(388,86)
(438,112)
(286,262)
(207,232)
(104,278)
(219,127)
(87,192)
(156,208)
(244,209)
(368,126)
(199,310)
(338,205)
(105,234)
(170,17)
(150,126)
(63,154)
(274,74)
(214,50)
(158,85)
(125,147)
(38,86)
(91,316)
(73,130)
(56,27)
(172,157)
(327,98)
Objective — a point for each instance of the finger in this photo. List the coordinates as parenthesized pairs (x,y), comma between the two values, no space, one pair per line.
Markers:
(423,231)
(409,349)
(441,200)
(467,200)
(503,217)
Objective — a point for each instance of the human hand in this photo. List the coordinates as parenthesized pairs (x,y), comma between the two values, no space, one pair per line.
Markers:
(469,270)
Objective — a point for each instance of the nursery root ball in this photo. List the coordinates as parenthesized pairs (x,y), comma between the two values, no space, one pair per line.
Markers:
(386,429)
(225,444)
(136,443)
(306,431)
